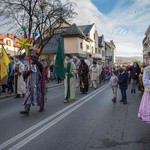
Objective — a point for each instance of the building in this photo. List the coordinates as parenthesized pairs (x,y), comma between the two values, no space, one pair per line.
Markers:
(146,45)
(76,40)
(10,43)
(110,53)
(101,45)
(81,40)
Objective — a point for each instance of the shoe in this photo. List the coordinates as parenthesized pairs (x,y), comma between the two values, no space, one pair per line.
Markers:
(41,109)
(114,100)
(17,96)
(24,112)
(65,101)
(134,91)
(124,102)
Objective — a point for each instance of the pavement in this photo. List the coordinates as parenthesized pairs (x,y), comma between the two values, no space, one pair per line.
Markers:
(51,84)
(91,122)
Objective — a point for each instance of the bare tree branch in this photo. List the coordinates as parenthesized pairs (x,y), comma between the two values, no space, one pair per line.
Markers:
(37,15)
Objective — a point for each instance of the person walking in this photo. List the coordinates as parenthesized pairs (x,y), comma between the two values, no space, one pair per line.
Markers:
(70,79)
(83,75)
(144,109)
(134,73)
(123,85)
(19,80)
(35,91)
(11,75)
(114,85)
(94,75)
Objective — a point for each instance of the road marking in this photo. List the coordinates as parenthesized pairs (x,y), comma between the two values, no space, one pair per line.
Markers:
(44,128)
(20,135)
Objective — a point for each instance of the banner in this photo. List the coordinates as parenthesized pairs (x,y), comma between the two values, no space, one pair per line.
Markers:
(4,63)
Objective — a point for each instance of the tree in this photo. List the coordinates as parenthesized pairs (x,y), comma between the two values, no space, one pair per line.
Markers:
(36,16)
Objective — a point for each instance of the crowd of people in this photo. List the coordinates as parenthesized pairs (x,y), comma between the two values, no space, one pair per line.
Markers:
(29,78)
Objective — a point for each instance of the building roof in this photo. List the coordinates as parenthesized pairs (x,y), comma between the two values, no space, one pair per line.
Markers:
(101,42)
(52,45)
(10,36)
(147,31)
(144,40)
(108,44)
(79,55)
(86,28)
(74,30)
(2,36)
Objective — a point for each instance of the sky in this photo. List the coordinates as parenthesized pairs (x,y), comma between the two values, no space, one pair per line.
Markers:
(123,21)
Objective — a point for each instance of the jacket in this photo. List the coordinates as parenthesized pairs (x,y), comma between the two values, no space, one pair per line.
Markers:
(123,80)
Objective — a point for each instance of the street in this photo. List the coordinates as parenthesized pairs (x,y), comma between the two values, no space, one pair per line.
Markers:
(92,122)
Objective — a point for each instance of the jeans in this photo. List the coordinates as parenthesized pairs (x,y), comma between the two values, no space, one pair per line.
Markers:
(133,84)
(10,84)
(124,95)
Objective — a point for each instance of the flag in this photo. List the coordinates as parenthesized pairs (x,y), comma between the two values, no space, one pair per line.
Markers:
(4,63)
(59,62)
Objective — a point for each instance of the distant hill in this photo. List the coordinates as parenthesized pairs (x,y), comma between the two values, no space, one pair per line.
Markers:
(122,60)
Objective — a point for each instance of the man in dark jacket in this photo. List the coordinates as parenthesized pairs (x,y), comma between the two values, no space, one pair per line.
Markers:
(123,84)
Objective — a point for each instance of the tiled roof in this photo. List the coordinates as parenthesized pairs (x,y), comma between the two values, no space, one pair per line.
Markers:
(16,41)
(101,43)
(2,36)
(86,28)
(147,31)
(74,30)
(52,45)
(144,39)
(100,38)
(108,44)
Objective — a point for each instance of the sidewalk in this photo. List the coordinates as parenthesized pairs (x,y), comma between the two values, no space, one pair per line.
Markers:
(51,84)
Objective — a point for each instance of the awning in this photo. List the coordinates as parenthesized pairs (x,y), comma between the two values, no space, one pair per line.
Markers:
(97,56)
(78,55)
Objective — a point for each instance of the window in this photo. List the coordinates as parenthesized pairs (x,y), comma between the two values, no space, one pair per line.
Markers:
(95,50)
(87,46)
(8,42)
(81,45)
(99,51)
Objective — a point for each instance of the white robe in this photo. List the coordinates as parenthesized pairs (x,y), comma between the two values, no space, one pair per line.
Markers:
(72,82)
(21,85)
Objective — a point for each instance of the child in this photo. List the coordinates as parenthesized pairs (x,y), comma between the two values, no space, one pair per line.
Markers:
(114,85)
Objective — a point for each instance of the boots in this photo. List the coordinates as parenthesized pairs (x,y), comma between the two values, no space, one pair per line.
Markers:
(26,111)
(41,109)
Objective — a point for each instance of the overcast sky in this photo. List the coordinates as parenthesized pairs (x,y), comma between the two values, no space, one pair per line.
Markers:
(124,21)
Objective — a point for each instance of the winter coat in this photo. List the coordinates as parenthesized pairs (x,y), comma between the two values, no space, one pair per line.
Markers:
(134,72)
(123,80)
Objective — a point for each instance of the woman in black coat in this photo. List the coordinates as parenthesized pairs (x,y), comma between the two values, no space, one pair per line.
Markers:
(134,73)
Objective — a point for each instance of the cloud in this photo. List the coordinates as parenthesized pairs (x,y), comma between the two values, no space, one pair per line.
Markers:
(125,24)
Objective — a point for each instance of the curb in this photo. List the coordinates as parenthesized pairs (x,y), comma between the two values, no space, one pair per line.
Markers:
(13,95)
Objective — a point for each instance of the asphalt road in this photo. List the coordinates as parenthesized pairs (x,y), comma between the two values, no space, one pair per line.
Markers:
(92,122)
